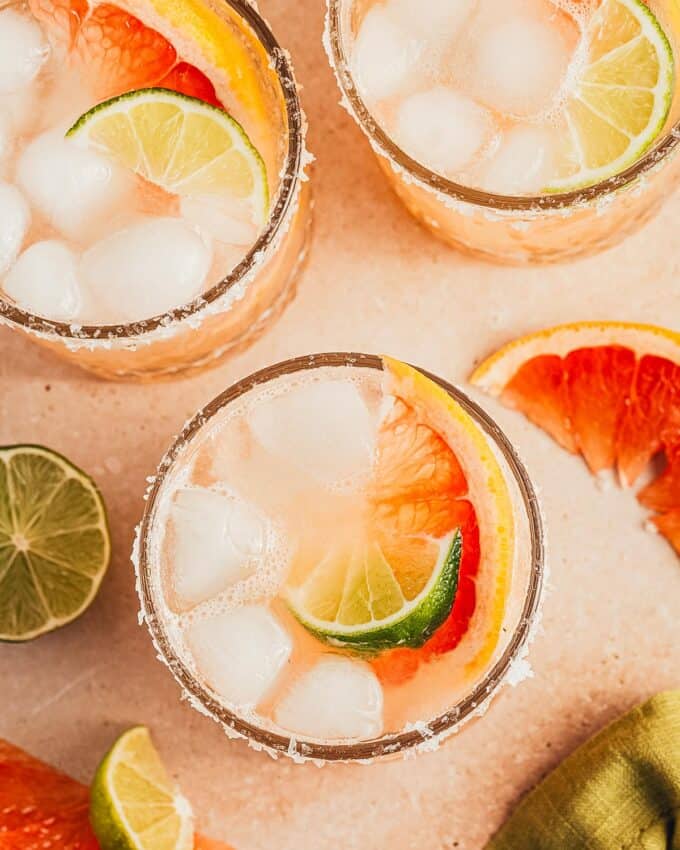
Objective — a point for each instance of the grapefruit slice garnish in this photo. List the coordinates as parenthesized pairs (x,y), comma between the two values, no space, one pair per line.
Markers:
(139,44)
(42,807)
(609,391)
(435,488)
(117,51)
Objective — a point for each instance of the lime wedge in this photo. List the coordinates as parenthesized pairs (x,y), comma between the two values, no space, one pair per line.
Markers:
(54,541)
(181,144)
(133,803)
(621,99)
(380,595)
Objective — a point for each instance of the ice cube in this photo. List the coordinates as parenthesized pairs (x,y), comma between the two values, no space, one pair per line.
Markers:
(216,541)
(76,189)
(322,427)
(384,54)
(216,217)
(44,280)
(146,269)
(240,652)
(442,129)
(338,698)
(521,164)
(519,56)
(23,50)
(15,217)
(436,20)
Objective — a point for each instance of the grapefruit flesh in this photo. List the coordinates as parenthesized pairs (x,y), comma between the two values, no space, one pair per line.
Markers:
(40,807)
(421,488)
(117,51)
(617,404)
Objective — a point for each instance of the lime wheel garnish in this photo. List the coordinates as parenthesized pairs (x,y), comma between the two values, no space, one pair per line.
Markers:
(620,102)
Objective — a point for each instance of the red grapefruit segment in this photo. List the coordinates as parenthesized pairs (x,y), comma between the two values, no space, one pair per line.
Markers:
(653,398)
(121,53)
(41,807)
(598,381)
(539,390)
(117,51)
(186,79)
(61,18)
(622,401)
(669,525)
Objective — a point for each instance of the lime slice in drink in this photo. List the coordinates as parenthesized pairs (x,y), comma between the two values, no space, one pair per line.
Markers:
(134,805)
(380,595)
(181,144)
(54,541)
(621,99)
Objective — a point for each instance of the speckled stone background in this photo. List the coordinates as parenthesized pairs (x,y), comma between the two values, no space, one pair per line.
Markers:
(376,282)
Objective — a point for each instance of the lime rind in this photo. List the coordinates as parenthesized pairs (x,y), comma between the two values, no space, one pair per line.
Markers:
(411,626)
(109,821)
(80,131)
(30,579)
(663,95)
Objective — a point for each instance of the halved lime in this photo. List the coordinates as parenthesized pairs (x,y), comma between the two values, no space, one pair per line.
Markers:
(180,143)
(380,595)
(621,99)
(134,805)
(54,541)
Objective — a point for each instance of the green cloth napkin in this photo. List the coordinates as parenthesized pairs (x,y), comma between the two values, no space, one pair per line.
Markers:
(619,791)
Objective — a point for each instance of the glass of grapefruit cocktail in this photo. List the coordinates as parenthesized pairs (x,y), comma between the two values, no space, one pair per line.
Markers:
(525,131)
(152,192)
(341,558)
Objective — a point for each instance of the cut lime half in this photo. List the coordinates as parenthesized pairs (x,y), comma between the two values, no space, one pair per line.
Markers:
(54,541)
(134,805)
(380,595)
(620,101)
(180,143)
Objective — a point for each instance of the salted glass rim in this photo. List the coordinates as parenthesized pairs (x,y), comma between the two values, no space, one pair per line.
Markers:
(282,66)
(459,191)
(385,745)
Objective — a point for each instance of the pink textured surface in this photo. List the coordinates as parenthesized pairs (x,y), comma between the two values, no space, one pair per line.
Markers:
(376,282)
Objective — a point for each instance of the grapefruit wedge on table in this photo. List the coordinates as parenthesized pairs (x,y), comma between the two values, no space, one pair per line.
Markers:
(609,391)
(438,527)
(41,807)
